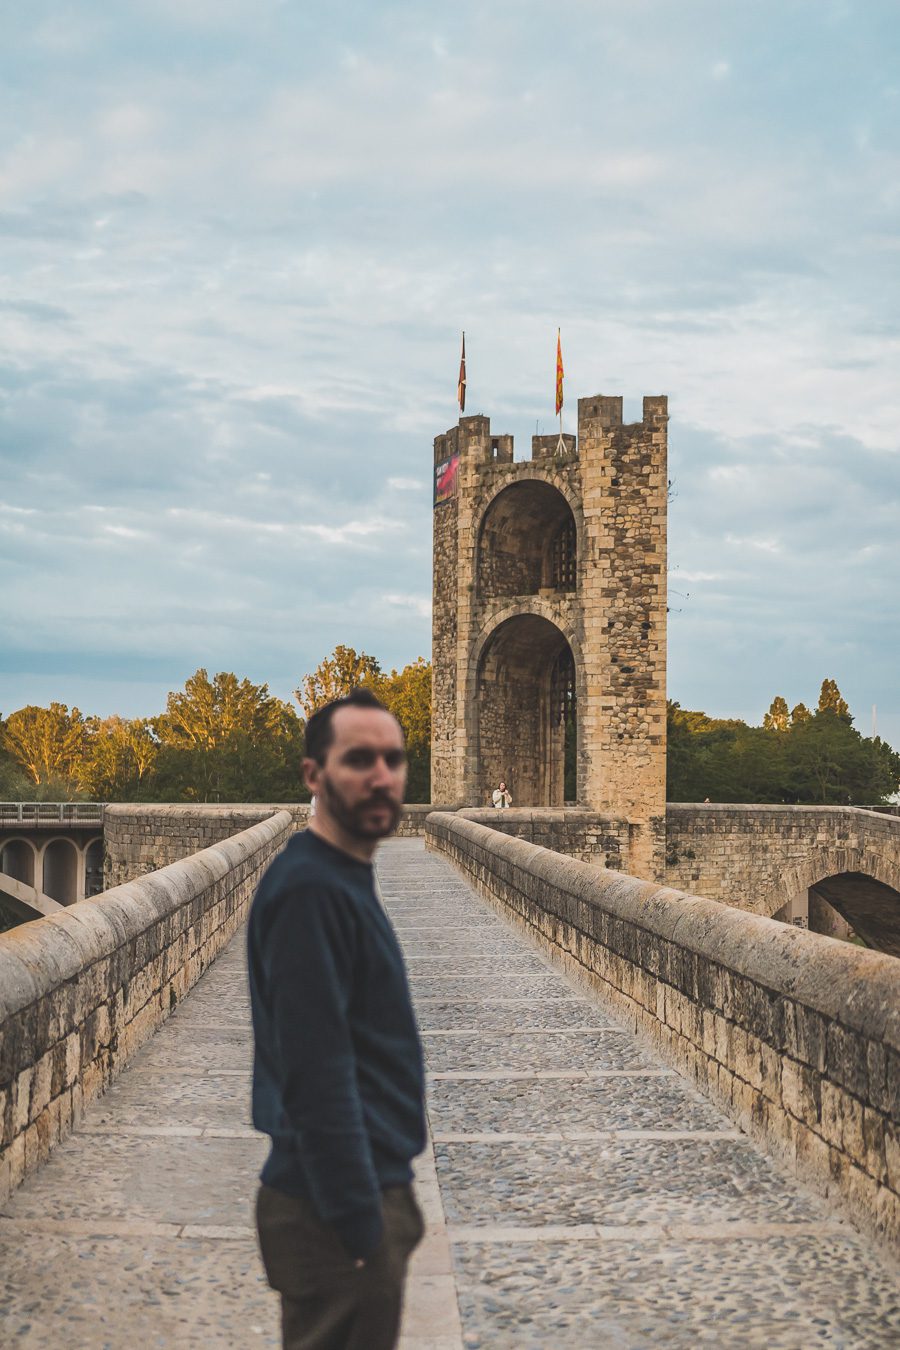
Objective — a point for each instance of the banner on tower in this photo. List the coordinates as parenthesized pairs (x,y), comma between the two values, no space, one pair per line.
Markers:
(446,477)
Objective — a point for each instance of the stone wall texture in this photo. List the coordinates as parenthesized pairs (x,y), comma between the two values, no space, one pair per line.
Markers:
(82,989)
(796,1035)
(757,857)
(588,835)
(141,838)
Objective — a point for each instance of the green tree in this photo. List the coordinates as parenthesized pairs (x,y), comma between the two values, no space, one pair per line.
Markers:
(14,785)
(777,718)
(830,700)
(120,759)
(227,739)
(818,758)
(698,756)
(831,763)
(334,677)
(407,693)
(49,744)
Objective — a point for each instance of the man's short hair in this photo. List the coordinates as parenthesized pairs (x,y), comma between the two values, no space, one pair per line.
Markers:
(319,730)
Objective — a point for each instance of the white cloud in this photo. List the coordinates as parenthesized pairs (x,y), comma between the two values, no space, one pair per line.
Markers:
(125,532)
(353,533)
(419,604)
(406,484)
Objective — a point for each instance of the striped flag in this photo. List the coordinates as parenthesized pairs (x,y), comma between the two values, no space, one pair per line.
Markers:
(559,373)
(461,385)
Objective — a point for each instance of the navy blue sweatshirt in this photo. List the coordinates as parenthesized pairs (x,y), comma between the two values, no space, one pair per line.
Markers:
(338,1080)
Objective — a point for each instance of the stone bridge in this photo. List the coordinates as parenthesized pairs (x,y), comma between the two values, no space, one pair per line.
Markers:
(652,1114)
(768,858)
(833,869)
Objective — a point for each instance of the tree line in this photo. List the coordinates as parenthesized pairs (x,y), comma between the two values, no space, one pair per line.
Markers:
(228,739)
(220,739)
(796,756)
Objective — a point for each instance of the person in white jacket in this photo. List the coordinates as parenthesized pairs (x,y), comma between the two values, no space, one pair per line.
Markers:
(500,797)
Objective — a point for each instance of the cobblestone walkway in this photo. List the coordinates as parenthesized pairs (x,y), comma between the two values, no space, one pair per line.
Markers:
(588,1195)
(593,1197)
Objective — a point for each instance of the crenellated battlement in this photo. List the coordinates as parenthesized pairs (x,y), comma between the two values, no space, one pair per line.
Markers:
(472,438)
(599,415)
(604,412)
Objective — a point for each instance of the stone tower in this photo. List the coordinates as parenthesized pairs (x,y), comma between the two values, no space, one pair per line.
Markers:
(549,628)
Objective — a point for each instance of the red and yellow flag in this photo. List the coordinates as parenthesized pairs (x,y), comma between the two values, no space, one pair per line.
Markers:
(559,373)
(461,385)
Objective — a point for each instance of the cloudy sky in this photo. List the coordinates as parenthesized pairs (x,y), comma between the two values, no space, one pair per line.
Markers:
(238,241)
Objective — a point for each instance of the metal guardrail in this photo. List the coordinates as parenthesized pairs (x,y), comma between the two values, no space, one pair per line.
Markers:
(51,813)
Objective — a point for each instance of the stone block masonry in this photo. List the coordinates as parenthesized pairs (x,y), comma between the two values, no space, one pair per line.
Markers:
(594,838)
(758,857)
(142,837)
(796,1035)
(764,858)
(82,989)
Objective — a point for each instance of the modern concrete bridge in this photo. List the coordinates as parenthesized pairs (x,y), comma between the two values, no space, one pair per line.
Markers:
(579,1192)
(51,854)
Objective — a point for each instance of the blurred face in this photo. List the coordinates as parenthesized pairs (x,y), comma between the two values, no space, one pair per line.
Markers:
(502,786)
(361,783)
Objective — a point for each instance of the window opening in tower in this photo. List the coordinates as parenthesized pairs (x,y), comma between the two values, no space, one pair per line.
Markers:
(563,560)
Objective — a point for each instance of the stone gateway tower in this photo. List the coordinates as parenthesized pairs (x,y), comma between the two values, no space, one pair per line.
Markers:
(549,628)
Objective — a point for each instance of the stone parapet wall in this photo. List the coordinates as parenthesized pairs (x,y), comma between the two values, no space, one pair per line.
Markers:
(759,857)
(141,837)
(412,819)
(82,989)
(594,838)
(796,1035)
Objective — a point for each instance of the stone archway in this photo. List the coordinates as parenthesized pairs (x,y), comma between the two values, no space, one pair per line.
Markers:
(871,908)
(527,542)
(525,703)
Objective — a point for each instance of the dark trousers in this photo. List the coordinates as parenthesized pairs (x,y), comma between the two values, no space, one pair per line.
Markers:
(327,1302)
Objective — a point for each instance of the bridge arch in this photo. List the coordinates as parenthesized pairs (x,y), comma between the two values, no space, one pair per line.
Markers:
(862,885)
(527,541)
(524,680)
(93,857)
(18,859)
(60,860)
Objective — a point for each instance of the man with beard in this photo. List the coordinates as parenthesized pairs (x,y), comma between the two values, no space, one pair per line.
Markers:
(338,1081)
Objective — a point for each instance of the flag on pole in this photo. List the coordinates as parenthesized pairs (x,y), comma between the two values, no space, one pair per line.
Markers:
(559,373)
(461,386)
